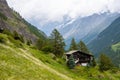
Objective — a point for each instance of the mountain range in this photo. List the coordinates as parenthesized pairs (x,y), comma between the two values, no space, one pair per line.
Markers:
(86,28)
(108,42)
(81,28)
(108,37)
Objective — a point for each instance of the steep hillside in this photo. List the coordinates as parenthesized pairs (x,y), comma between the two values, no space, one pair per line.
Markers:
(113,52)
(27,63)
(106,38)
(19,64)
(14,22)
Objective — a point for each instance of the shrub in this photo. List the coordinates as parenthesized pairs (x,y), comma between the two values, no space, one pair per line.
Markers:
(54,58)
(5,31)
(40,43)
(105,63)
(11,39)
(3,39)
(29,42)
(21,38)
(47,61)
(47,49)
(33,47)
(93,63)
(114,70)
(60,61)
(18,37)
(17,43)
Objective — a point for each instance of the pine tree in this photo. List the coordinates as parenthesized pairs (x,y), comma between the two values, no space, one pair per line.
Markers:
(105,63)
(73,45)
(57,43)
(82,47)
(71,62)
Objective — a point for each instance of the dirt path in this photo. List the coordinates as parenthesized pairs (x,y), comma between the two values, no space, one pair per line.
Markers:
(37,62)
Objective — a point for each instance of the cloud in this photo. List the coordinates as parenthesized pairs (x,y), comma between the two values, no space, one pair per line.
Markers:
(55,10)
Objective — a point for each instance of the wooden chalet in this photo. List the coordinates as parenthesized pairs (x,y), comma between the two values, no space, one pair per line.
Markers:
(80,57)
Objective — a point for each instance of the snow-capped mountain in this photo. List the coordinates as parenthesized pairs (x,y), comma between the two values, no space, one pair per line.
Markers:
(81,28)
(86,28)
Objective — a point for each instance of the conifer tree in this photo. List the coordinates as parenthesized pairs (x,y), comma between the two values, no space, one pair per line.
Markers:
(57,43)
(71,62)
(105,63)
(82,47)
(73,45)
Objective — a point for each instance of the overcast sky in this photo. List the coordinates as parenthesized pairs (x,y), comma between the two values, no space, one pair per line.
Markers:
(54,10)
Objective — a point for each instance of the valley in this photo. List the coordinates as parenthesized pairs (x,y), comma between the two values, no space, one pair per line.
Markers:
(74,48)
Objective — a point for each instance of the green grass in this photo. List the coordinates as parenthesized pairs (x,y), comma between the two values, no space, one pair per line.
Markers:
(116,47)
(16,67)
(55,64)
(3,38)
(28,63)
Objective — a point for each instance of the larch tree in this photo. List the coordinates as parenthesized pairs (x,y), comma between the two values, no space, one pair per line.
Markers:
(57,43)
(82,47)
(73,45)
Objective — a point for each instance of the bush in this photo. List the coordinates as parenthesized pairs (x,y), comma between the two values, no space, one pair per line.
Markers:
(29,42)
(18,37)
(17,43)
(3,39)
(93,63)
(114,70)
(21,38)
(5,31)
(54,58)
(47,61)
(47,49)
(105,63)
(60,61)
(33,47)
(40,43)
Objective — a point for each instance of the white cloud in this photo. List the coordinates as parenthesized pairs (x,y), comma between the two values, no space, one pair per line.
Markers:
(54,10)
